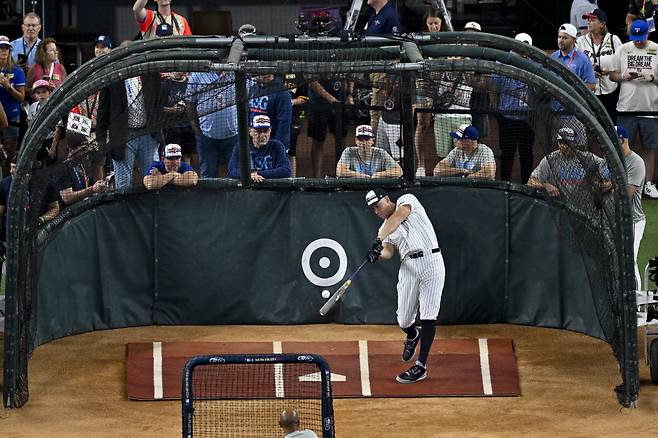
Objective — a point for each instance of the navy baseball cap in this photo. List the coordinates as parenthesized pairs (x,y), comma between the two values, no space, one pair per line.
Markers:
(466,132)
(374,196)
(639,30)
(596,14)
(104,40)
(622,132)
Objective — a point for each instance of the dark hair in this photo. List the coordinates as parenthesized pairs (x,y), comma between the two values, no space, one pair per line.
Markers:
(433,12)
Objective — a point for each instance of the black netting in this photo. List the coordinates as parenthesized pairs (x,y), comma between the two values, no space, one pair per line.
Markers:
(340,115)
(246,400)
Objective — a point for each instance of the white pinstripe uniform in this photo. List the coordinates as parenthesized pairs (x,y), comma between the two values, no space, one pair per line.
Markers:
(421,279)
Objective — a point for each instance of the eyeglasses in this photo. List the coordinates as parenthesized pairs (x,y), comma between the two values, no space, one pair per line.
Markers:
(52,51)
(31,25)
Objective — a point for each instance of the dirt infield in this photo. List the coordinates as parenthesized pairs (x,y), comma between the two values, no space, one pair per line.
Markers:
(77,388)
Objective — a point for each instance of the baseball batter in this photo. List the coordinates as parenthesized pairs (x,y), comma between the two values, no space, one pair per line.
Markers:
(421,277)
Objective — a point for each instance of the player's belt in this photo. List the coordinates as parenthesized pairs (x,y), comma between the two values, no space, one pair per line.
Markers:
(419,254)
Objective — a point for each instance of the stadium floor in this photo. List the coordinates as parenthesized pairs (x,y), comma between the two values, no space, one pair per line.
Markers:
(78,388)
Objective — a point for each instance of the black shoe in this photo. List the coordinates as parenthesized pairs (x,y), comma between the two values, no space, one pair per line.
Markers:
(414,374)
(410,347)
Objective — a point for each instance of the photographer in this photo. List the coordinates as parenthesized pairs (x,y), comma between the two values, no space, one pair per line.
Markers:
(600,46)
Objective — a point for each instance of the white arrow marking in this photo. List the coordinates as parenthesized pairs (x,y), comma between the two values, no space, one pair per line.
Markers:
(315,377)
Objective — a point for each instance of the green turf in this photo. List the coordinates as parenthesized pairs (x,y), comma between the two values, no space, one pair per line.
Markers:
(649,245)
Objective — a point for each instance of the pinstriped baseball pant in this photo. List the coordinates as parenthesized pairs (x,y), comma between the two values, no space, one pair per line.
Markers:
(420,286)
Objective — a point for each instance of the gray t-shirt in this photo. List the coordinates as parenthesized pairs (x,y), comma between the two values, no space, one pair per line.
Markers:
(636,172)
(378,161)
(568,175)
(473,163)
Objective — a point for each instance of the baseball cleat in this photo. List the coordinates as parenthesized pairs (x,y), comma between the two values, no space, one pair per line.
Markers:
(414,374)
(410,347)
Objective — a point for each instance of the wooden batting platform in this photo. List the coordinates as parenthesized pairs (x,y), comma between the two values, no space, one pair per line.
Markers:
(457,367)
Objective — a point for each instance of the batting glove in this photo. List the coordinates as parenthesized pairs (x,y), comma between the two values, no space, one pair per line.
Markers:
(375,251)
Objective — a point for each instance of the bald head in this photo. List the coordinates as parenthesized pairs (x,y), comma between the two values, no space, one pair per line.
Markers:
(289,420)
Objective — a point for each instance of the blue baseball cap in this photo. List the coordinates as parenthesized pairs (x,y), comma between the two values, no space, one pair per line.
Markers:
(104,40)
(639,30)
(622,132)
(465,132)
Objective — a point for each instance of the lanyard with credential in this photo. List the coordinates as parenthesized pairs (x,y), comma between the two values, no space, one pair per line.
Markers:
(27,52)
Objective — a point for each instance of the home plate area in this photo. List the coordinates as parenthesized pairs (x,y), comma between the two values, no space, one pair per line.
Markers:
(456,367)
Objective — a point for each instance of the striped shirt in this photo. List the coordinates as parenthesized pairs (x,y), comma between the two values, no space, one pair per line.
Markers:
(214,98)
(416,232)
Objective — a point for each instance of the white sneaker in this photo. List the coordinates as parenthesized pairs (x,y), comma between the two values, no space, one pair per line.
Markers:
(420,171)
(650,190)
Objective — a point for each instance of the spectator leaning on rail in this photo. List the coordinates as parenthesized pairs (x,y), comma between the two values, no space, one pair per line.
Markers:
(170,170)
(568,172)
(468,158)
(635,172)
(636,68)
(574,59)
(365,161)
(267,157)
(148,20)
(25,48)
(600,46)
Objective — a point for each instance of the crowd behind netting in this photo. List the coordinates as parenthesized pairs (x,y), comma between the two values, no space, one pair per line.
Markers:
(292,119)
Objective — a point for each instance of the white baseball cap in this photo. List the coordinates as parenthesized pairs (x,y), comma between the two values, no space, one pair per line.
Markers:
(569,29)
(173,150)
(261,122)
(364,131)
(78,124)
(524,38)
(474,25)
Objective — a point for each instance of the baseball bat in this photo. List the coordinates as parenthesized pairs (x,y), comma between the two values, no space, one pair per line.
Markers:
(331,302)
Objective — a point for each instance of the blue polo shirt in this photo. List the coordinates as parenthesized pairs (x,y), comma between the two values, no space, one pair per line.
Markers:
(386,22)
(184,167)
(20,47)
(12,106)
(578,63)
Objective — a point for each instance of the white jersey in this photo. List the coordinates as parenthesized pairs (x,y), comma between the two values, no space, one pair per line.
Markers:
(306,433)
(602,55)
(635,95)
(416,232)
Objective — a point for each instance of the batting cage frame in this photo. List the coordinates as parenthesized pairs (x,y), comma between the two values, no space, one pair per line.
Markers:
(598,225)
(278,391)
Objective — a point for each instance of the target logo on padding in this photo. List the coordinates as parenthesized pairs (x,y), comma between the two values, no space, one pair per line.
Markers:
(324,262)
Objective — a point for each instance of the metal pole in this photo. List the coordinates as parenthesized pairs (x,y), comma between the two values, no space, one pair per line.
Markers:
(243,127)
(407,91)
